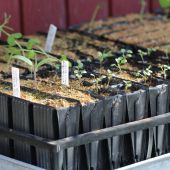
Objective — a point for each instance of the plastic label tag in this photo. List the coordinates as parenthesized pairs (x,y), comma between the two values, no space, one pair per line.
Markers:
(50,38)
(65,73)
(16,82)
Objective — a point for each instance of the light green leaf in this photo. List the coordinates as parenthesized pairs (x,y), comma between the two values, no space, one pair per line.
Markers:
(14,51)
(46,61)
(80,64)
(17,35)
(11,41)
(57,66)
(167,46)
(64,58)
(24,59)
(31,43)
(31,54)
(164,3)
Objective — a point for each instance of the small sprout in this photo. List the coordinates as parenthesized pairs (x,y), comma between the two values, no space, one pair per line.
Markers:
(122,59)
(63,58)
(104,55)
(150,50)
(145,74)
(164,69)
(109,77)
(79,70)
(148,72)
(142,54)
(89,59)
(128,84)
(97,81)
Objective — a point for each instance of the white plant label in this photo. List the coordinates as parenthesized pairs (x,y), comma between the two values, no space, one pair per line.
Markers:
(65,73)
(16,82)
(50,38)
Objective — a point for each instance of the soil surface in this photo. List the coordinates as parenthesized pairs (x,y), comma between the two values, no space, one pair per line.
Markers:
(38,97)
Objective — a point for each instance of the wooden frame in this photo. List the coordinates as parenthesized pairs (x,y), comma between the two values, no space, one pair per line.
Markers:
(86,138)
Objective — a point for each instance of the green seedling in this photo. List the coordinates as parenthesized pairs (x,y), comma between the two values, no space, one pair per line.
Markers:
(164,3)
(164,69)
(79,70)
(27,55)
(167,49)
(97,81)
(109,77)
(145,74)
(142,54)
(150,50)
(33,64)
(122,59)
(103,56)
(128,84)
(63,58)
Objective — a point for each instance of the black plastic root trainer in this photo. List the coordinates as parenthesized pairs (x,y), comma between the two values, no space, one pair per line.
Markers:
(137,106)
(159,104)
(127,107)
(44,121)
(4,122)
(115,115)
(92,119)
(120,107)
(56,124)
(21,122)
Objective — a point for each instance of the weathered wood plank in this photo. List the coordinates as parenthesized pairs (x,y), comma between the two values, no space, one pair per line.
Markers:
(112,131)
(26,138)
(122,7)
(39,14)
(154,5)
(11,8)
(57,146)
(82,11)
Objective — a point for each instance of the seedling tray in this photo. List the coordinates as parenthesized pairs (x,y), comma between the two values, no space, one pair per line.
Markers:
(109,109)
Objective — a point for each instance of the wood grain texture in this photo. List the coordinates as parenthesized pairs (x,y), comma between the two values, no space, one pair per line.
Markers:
(122,7)
(11,7)
(39,14)
(106,133)
(154,5)
(82,10)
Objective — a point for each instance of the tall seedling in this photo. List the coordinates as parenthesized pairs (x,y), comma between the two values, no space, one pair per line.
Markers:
(27,55)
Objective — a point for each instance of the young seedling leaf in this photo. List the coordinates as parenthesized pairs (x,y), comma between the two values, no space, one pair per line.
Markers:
(57,66)
(17,35)
(46,61)
(14,51)
(31,43)
(64,58)
(31,54)
(164,3)
(11,41)
(24,59)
